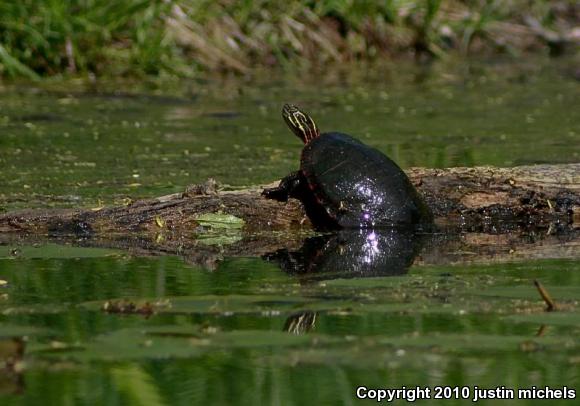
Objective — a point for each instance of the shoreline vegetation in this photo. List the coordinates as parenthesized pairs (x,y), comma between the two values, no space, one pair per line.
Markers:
(186,38)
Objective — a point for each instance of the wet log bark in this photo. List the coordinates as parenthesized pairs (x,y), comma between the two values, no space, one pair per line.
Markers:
(479,199)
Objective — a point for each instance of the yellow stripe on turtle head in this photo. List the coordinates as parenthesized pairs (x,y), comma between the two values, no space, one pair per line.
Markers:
(300,123)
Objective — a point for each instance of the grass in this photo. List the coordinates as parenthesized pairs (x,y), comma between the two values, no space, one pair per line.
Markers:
(182,38)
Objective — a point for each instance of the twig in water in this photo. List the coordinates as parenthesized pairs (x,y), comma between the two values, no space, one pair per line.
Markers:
(550,305)
(541,331)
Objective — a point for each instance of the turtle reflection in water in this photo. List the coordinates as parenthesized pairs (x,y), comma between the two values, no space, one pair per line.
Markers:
(351,253)
(344,183)
(346,254)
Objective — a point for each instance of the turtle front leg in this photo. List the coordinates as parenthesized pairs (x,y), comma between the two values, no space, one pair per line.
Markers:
(288,187)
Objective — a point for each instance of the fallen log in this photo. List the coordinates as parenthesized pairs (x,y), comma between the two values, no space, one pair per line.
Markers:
(482,199)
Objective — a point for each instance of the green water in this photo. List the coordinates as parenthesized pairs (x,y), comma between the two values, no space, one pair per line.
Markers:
(219,335)
(74,147)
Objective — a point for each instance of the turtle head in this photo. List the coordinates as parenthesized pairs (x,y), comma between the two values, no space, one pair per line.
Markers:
(300,123)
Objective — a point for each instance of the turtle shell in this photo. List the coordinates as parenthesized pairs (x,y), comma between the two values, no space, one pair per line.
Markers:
(359,186)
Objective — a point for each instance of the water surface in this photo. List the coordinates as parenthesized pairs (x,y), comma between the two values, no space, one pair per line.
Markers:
(276,329)
(81,147)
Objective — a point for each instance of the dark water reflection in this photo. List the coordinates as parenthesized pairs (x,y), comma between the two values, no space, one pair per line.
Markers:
(351,254)
(346,254)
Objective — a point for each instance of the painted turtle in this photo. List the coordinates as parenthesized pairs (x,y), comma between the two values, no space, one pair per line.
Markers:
(344,183)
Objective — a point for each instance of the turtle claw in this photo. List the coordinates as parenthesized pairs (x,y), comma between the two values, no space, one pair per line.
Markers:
(288,187)
(276,193)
